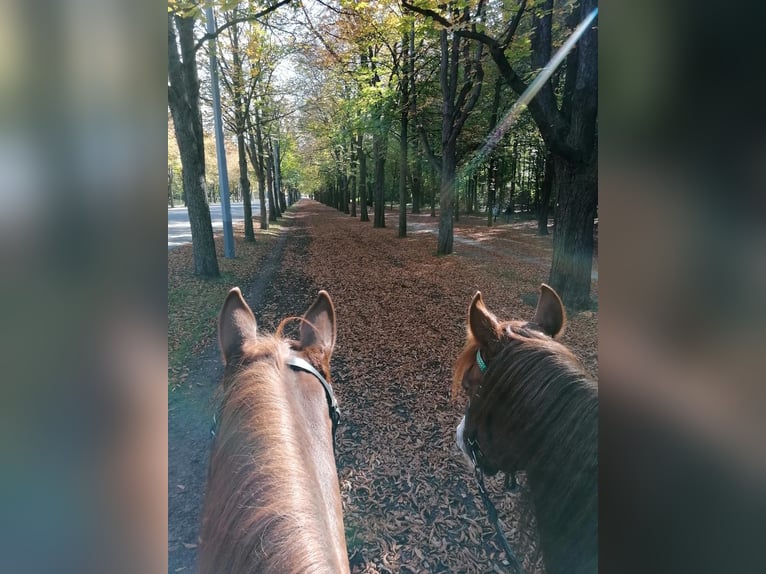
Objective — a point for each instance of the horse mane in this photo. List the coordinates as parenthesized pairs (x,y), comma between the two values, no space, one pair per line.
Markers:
(253,460)
(549,412)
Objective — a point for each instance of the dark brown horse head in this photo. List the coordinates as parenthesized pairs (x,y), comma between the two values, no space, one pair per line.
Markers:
(273,502)
(489,338)
(533,408)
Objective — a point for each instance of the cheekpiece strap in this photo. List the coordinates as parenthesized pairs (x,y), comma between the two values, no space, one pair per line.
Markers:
(480,361)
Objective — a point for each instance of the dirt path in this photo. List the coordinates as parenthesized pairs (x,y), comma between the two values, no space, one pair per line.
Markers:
(409,499)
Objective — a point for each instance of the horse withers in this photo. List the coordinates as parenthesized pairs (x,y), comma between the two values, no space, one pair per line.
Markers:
(533,408)
(273,502)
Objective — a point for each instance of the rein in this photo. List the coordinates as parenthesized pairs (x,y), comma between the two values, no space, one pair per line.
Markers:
(298,364)
(473,447)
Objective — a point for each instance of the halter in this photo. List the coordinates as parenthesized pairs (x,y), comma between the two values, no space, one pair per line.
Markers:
(510,484)
(298,364)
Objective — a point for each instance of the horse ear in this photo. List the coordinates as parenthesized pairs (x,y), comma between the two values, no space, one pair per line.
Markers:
(321,315)
(550,314)
(481,323)
(236,325)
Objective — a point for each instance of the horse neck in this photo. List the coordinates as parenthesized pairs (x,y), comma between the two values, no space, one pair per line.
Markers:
(312,427)
(273,502)
(564,490)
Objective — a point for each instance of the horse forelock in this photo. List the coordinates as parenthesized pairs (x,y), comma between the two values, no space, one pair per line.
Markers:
(262,502)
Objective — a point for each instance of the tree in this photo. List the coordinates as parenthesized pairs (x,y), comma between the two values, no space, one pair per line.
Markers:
(457,104)
(257,159)
(492,182)
(567,123)
(233,76)
(404,105)
(184,104)
(183,100)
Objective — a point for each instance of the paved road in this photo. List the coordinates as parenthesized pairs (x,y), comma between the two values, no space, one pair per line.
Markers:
(179,231)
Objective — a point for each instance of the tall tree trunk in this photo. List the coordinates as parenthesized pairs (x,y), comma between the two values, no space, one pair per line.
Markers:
(244,184)
(432,182)
(446,200)
(573,234)
(170,187)
(379,147)
(362,177)
(417,171)
(273,205)
(269,165)
(500,180)
(256,158)
(492,196)
(352,179)
(545,197)
(278,180)
(342,193)
(379,157)
(183,100)
(456,201)
(236,88)
(417,180)
(457,104)
(514,166)
(403,144)
(575,184)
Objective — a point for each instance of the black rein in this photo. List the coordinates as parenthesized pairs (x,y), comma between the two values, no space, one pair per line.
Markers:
(492,511)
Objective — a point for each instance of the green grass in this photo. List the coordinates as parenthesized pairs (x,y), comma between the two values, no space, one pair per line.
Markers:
(194,302)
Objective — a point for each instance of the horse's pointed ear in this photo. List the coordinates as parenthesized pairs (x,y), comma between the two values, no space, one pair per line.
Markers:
(236,325)
(321,330)
(481,322)
(550,314)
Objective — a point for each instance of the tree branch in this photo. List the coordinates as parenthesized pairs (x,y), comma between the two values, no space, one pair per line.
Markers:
(319,37)
(435,161)
(428,14)
(507,36)
(234,21)
(337,10)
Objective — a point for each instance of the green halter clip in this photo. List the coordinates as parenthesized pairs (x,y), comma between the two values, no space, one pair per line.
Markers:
(480,361)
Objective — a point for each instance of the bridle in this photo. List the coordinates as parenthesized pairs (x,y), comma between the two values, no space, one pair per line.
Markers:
(476,454)
(298,364)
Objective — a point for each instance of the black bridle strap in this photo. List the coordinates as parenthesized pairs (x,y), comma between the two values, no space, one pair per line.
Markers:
(298,364)
(492,512)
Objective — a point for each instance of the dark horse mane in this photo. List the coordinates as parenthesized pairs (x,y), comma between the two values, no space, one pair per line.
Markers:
(251,462)
(549,409)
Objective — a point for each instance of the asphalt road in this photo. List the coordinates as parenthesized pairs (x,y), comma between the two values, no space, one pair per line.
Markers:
(179,231)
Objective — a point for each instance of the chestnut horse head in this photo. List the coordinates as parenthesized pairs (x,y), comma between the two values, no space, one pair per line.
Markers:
(273,502)
(533,408)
